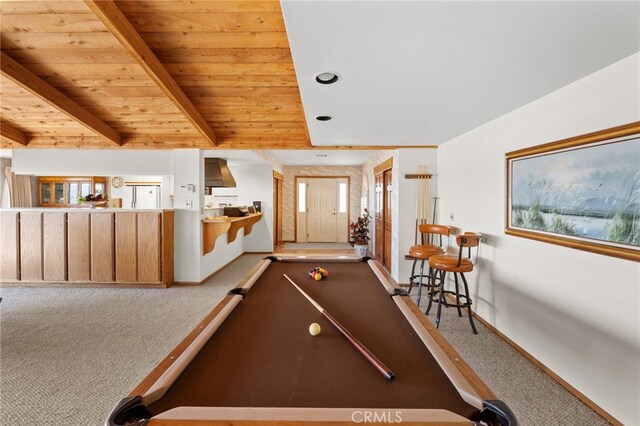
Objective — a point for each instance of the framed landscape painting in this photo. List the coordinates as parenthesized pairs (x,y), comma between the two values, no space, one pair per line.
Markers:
(582,192)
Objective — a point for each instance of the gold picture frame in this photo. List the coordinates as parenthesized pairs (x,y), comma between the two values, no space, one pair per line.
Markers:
(582,192)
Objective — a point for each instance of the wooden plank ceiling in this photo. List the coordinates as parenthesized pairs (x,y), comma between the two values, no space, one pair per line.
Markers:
(148,74)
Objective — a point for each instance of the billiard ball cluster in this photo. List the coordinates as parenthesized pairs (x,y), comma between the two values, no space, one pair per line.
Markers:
(318,273)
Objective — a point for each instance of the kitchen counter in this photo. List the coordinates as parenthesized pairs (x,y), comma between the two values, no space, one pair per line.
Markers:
(82,209)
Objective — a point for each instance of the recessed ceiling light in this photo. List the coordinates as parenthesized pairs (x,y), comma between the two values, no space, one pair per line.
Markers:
(323,118)
(327,78)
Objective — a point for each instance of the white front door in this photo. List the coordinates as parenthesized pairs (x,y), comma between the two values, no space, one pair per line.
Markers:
(322,218)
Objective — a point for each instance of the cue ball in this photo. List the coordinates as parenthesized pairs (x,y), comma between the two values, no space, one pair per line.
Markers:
(314,329)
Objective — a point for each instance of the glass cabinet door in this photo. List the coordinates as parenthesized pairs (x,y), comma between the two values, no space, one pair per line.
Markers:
(45,193)
(58,189)
(99,188)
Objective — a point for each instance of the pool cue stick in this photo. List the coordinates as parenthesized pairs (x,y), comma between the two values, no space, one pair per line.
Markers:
(417,230)
(435,203)
(426,196)
(421,194)
(350,337)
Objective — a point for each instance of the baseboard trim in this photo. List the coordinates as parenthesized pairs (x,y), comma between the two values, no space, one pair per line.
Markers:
(549,372)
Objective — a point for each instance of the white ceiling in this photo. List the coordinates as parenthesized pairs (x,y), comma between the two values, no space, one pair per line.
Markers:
(316,157)
(420,73)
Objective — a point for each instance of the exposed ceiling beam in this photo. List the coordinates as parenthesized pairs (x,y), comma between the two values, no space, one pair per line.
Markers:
(123,30)
(173,142)
(11,134)
(47,93)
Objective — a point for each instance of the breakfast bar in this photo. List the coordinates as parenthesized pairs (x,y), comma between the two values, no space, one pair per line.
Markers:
(86,247)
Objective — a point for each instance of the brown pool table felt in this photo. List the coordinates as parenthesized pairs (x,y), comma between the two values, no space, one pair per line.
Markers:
(263,355)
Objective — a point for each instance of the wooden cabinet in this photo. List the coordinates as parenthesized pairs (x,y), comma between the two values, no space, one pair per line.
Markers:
(86,246)
(64,191)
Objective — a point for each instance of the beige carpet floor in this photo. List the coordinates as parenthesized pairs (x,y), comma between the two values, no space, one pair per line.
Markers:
(68,355)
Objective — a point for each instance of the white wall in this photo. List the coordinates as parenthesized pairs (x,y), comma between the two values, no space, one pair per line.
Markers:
(408,162)
(92,162)
(255,183)
(576,312)
(187,230)
(403,201)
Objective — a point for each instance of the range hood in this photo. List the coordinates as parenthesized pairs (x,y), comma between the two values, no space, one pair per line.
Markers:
(217,174)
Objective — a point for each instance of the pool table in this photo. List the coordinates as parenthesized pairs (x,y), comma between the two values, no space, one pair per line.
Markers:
(253,360)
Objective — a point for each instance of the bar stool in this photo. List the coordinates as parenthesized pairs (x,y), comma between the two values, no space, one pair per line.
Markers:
(443,263)
(429,235)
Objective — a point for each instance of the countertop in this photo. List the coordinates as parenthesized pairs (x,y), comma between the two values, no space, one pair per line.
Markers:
(81,209)
(217,219)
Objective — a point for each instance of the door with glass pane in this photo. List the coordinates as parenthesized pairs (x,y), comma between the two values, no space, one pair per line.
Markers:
(322,220)
(322,213)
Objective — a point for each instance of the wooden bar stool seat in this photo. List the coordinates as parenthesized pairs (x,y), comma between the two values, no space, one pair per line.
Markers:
(432,245)
(425,251)
(450,263)
(440,265)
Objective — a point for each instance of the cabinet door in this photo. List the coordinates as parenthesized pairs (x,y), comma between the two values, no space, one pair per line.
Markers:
(126,247)
(59,197)
(102,247)
(54,244)
(78,247)
(31,246)
(148,247)
(45,193)
(9,253)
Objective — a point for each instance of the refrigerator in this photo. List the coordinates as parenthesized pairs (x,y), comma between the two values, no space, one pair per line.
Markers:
(142,197)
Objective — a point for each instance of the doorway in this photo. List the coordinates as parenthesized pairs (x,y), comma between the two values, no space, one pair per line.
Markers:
(277,209)
(322,209)
(383,232)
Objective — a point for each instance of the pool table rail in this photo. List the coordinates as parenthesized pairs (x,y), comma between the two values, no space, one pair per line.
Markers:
(181,347)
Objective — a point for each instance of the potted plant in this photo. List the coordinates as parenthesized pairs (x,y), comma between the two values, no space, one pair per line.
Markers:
(360,233)
(94,200)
